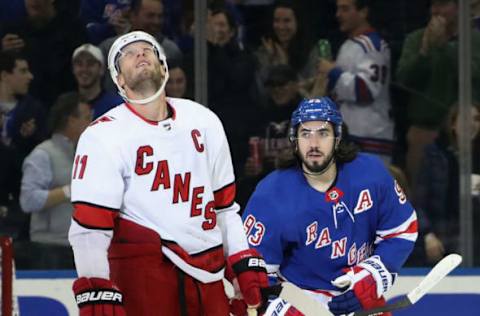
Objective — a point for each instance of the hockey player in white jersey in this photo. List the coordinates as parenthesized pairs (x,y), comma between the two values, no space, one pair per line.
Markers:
(359,79)
(155,221)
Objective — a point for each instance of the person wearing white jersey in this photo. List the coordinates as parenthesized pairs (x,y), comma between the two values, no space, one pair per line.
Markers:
(359,79)
(155,221)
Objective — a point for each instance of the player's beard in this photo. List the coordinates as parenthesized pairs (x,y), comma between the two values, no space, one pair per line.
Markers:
(147,82)
(316,167)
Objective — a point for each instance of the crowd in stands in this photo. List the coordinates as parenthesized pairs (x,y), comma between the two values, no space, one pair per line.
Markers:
(391,66)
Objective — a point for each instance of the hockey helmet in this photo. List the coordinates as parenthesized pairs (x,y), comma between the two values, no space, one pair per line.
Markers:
(316,109)
(116,52)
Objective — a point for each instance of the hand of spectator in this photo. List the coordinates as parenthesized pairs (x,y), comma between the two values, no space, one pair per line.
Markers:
(324,66)
(12,42)
(28,128)
(276,51)
(119,21)
(434,249)
(435,34)
(252,168)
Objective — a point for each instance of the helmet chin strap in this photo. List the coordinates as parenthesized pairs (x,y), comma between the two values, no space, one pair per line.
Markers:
(150,98)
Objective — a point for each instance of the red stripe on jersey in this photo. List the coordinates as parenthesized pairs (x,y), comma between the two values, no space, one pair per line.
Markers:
(363,93)
(225,196)
(95,217)
(411,229)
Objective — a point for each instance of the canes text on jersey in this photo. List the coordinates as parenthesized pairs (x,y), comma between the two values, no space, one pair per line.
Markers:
(180,187)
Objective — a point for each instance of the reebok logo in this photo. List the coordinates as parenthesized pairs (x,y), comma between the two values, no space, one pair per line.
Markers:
(110,297)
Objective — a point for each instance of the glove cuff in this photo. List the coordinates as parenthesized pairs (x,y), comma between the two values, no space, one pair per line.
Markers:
(247,260)
(383,278)
(96,291)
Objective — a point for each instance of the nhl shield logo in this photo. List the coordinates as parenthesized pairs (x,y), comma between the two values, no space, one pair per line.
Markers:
(333,195)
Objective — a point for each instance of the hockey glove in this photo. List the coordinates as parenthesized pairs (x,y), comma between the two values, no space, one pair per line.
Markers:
(251,273)
(98,297)
(364,285)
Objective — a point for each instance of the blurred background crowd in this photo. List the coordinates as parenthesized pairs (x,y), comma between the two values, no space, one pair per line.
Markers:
(392,66)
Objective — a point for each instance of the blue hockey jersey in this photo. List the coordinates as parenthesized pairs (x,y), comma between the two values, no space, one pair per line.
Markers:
(308,237)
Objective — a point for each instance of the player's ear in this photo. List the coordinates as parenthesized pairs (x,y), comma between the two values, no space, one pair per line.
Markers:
(120,80)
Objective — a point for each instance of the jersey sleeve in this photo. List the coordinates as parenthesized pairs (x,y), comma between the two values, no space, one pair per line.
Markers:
(264,228)
(396,231)
(97,183)
(365,81)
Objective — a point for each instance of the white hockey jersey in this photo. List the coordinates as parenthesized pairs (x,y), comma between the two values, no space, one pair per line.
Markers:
(174,177)
(360,84)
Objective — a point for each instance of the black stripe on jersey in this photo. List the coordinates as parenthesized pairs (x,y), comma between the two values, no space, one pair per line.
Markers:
(91,227)
(225,186)
(193,254)
(97,205)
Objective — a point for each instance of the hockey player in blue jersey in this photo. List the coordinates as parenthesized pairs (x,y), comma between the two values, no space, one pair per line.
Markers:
(335,223)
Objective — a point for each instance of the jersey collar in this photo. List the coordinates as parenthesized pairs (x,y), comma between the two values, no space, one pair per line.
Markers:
(171,114)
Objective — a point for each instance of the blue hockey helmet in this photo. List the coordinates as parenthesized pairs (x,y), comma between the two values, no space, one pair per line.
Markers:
(316,109)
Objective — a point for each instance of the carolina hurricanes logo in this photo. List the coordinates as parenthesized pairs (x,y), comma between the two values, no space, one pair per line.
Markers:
(333,195)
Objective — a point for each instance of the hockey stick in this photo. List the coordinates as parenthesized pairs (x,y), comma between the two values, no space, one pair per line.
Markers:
(311,307)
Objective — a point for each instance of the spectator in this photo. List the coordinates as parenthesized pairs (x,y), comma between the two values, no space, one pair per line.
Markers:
(287,43)
(254,12)
(230,82)
(105,18)
(428,72)
(45,190)
(24,121)
(230,67)
(47,36)
(359,79)
(269,142)
(438,182)
(177,85)
(147,16)
(282,85)
(88,69)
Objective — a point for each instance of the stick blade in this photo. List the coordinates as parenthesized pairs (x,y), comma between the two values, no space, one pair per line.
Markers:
(439,271)
(302,301)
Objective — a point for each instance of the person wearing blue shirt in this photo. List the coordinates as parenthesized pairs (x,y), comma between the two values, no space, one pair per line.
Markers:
(88,69)
(333,221)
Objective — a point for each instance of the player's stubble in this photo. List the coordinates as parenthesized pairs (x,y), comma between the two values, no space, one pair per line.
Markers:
(316,166)
(147,80)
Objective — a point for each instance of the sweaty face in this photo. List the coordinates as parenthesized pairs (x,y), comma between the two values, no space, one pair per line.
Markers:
(284,24)
(349,18)
(140,68)
(87,70)
(20,77)
(177,83)
(315,145)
